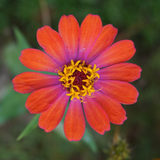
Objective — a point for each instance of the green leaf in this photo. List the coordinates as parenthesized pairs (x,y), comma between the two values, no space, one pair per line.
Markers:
(59,131)
(21,41)
(31,125)
(88,139)
(12,104)
(12,51)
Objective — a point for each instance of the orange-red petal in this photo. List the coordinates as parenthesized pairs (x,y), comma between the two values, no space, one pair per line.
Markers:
(69,31)
(51,118)
(105,39)
(27,82)
(96,116)
(122,92)
(114,110)
(91,28)
(74,124)
(37,60)
(119,52)
(52,43)
(122,71)
(40,100)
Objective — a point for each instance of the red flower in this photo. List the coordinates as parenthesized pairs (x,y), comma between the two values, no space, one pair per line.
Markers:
(91,74)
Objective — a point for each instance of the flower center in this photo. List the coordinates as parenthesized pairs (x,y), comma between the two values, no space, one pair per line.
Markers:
(78,79)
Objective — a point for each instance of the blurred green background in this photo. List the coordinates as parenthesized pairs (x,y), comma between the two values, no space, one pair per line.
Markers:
(137,20)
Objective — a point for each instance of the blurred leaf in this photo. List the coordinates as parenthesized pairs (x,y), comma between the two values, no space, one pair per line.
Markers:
(21,41)
(59,131)
(12,51)
(31,125)
(11,105)
(88,139)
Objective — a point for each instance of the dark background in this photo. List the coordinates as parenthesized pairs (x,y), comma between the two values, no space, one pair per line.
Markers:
(137,20)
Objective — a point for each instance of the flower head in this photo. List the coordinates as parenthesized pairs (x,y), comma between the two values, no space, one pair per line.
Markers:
(91,76)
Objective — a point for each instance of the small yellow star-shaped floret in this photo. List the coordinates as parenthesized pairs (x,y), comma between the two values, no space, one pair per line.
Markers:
(87,90)
(75,66)
(73,93)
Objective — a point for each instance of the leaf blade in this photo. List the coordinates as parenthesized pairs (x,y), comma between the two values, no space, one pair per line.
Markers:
(31,125)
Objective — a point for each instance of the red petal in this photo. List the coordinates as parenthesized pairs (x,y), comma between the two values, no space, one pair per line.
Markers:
(123,72)
(91,28)
(40,100)
(119,52)
(103,42)
(37,60)
(74,124)
(30,81)
(123,92)
(96,116)
(114,110)
(52,43)
(51,118)
(69,30)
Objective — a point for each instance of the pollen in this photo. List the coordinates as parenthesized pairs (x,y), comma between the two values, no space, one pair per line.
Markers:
(78,79)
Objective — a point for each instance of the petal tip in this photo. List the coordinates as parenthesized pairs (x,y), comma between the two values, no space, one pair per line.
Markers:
(74,139)
(105,130)
(122,121)
(42,127)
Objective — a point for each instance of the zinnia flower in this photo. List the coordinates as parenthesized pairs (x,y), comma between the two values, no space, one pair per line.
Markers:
(91,76)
